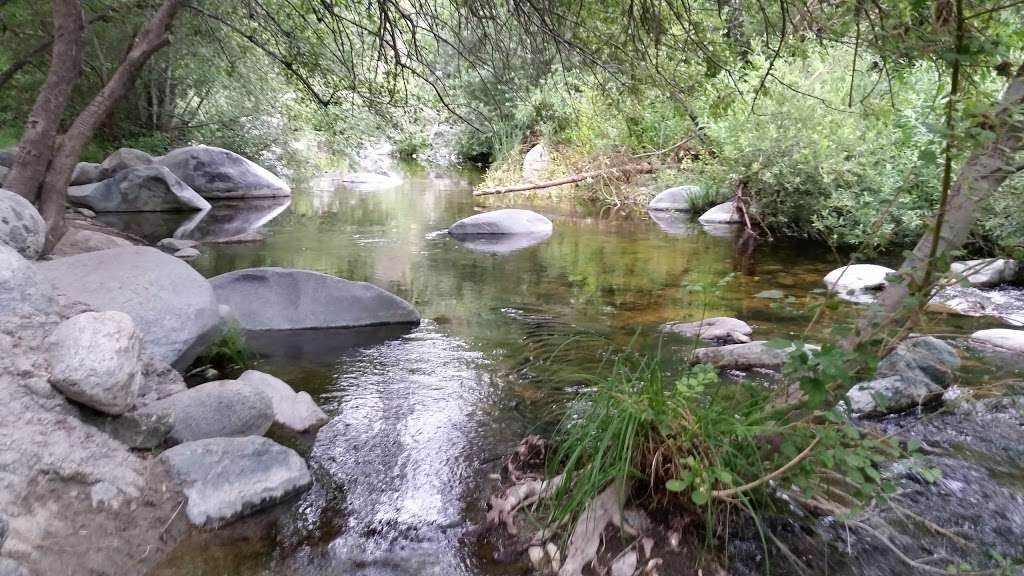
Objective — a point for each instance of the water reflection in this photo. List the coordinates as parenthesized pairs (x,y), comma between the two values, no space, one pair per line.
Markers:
(500,243)
(224,220)
(674,223)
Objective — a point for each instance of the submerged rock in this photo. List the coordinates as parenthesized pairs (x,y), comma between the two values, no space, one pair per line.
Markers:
(986,273)
(724,213)
(139,189)
(175,244)
(123,159)
(720,329)
(917,372)
(677,198)
(218,173)
(504,221)
(94,360)
(858,282)
(187,253)
(227,478)
(286,299)
(1001,339)
(296,411)
(21,226)
(172,305)
(81,240)
(224,408)
(756,354)
(536,162)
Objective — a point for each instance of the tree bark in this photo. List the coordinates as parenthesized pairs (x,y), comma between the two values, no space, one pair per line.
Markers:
(36,146)
(152,37)
(991,164)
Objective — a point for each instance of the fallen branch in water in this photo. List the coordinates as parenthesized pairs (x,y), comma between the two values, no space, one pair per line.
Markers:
(632,169)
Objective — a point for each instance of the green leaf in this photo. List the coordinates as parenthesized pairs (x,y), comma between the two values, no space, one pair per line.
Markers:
(699,497)
(676,485)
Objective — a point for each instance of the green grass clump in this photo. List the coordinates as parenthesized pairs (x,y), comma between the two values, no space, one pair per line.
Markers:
(229,353)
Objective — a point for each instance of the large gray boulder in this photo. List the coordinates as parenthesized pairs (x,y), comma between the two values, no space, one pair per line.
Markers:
(756,354)
(1001,339)
(986,273)
(171,304)
(858,282)
(504,221)
(718,329)
(139,189)
(724,213)
(675,198)
(123,159)
(295,411)
(81,240)
(917,372)
(287,299)
(87,173)
(536,163)
(21,226)
(216,409)
(227,478)
(95,360)
(218,173)
(23,291)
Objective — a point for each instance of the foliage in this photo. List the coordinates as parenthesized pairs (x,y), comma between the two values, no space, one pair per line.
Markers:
(229,353)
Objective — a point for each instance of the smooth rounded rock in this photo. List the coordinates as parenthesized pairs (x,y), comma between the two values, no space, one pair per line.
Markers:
(676,198)
(123,159)
(724,213)
(21,226)
(175,244)
(172,305)
(81,240)
(504,221)
(858,282)
(536,162)
(187,253)
(287,299)
(23,291)
(94,360)
(296,411)
(224,408)
(722,329)
(218,173)
(227,478)
(139,189)
(87,173)
(756,354)
(1002,339)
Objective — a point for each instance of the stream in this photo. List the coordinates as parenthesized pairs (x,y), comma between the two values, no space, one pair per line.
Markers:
(421,418)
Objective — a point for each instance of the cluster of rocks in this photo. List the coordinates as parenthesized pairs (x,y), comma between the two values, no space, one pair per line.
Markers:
(720,219)
(733,349)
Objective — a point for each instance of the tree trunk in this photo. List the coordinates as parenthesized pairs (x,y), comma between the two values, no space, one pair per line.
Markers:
(980,176)
(36,146)
(152,37)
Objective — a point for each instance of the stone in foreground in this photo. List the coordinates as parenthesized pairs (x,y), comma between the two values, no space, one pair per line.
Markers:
(227,478)
(719,329)
(81,240)
(986,273)
(676,198)
(724,213)
(224,408)
(21,226)
(1002,339)
(288,299)
(915,373)
(23,291)
(172,305)
(504,221)
(94,360)
(296,411)
(756,354)
(139,189)
(858,282)
(218,173)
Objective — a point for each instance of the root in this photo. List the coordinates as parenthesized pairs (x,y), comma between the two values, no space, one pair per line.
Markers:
(586,537)
(502,508)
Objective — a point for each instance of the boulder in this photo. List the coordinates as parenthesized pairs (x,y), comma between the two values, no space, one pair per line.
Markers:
(87,173)
(724,213)
(986,273)
(123,159)
(227,478)
(175,244)
(286,299)
(187,253)
(21,226)
(536,162)
(676,198)
(94,360)
(23,291)
(917,372)
(296,411)
(504,221)
(216,409)
(720,329)
(858,282)
(138,430)
(10,567)
(756,354)
(1001,339)
(139,189)
(172,305)
(218,173)
(81,240)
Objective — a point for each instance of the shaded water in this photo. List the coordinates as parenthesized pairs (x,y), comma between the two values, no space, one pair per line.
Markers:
(421,417)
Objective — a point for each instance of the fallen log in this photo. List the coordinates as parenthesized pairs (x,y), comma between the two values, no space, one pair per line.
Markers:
(632,169)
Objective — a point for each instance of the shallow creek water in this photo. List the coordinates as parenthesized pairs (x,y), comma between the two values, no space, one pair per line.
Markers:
(421,417)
